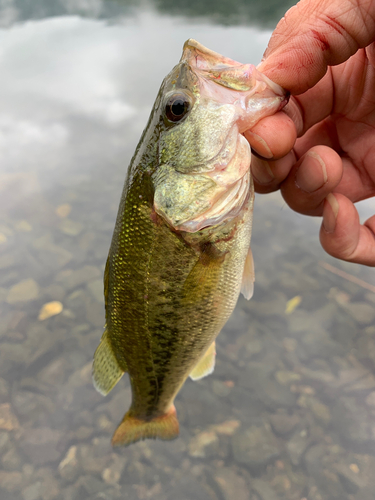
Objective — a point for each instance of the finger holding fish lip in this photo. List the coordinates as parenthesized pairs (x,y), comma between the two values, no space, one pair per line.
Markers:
(268,174)
(268,144)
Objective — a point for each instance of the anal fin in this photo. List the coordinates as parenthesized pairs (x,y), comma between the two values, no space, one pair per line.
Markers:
(248,277)
(205,365)
(105,369)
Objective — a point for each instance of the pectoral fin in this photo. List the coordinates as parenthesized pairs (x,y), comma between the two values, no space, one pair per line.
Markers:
(204,276)
(105,370)
(248,277)
(205,365)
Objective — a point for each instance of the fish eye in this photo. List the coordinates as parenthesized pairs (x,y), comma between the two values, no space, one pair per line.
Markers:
(177,106)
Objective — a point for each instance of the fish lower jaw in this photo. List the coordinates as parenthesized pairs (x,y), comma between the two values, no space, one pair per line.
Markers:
(226,206)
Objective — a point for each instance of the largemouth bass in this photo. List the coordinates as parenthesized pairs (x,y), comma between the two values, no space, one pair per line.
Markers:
(180,253)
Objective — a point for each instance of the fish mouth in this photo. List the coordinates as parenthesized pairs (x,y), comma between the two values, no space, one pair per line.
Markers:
(226,206)
(233,184)
(190,202)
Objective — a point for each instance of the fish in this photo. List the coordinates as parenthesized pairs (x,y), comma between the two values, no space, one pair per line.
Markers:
(180,252)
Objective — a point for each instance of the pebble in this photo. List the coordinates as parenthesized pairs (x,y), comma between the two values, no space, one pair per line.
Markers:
(68,468)
(91,460)
(54,291)
(7,260)
(263,489)
(63,210)
(31,404)
(8,421)
(55,373)
(23,291)
(51,255)
(365,383)
(258,377)
(24,226)
(88,485)
(255,447)
(41,445)
(11,481)
(204,444)
(32,492)
(11,460)
(352,422)
(231,485)
(50,309)
(281,484)
(283,423)
(352,482)
(112,474)
(220,388)
(284,377)
(297,445)
(319,409)
(96,289)
(187,488)
(361,312)
(70,227)
(370,400)
(72,279)
(5,441)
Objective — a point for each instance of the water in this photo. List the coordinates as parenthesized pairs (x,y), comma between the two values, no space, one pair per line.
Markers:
(289,412)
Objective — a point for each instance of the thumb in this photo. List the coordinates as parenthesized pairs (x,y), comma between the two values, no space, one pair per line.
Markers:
(315,34)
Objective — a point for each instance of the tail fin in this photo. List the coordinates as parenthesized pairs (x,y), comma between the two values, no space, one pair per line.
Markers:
(133,429)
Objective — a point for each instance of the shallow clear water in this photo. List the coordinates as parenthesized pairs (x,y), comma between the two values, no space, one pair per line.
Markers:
(289,412)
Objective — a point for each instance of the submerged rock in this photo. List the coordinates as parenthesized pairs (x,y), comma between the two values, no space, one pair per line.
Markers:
(24,291)
(41,445)
(255,447)
(263,489)
(230,484)
(297,446)
(8,421)
(283,423)
(69,467)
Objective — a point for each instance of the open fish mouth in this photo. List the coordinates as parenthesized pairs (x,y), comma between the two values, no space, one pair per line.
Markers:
(192,201)
(227,206)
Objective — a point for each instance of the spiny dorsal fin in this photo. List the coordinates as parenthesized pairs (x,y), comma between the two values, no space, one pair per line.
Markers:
(205,365)
(105,369)
(248,277)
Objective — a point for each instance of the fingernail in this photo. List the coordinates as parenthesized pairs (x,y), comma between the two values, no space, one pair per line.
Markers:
(259,144)
(330,211)
(311,179)
(261,171)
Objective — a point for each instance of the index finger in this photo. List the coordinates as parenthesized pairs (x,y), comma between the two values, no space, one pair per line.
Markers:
(314,35)
(274,136)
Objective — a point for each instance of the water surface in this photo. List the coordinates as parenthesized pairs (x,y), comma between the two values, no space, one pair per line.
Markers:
(289,412)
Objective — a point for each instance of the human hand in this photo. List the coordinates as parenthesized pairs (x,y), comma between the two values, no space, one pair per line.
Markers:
(323,52)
